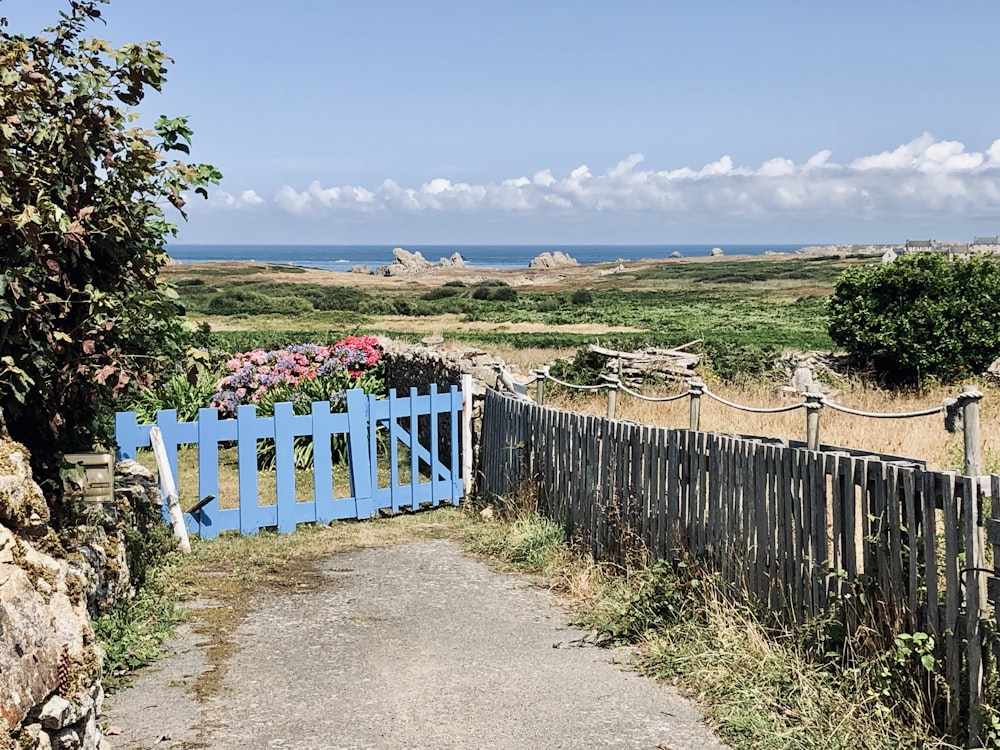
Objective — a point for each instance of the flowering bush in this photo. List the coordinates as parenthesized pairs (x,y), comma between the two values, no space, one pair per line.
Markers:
(301,373)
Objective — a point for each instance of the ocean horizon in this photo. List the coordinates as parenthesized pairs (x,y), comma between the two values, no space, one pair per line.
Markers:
(345,257)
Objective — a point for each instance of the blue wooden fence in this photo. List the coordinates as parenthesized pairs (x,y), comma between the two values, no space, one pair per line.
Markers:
(434,478)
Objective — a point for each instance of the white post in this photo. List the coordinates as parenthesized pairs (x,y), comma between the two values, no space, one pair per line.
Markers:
(169,488)
(467,433)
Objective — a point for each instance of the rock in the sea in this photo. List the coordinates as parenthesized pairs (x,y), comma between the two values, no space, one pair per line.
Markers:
(556,259)
(455,261)
(404,262)
(717,251)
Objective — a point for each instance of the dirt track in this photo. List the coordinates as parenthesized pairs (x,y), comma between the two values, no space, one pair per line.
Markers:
(412,646)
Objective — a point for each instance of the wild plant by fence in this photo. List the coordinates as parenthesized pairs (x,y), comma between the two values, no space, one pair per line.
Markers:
(887,545)
(433,466)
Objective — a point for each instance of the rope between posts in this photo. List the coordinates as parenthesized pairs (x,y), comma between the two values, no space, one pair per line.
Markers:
(754,409)
(876,415)
(574,386)
(661,399)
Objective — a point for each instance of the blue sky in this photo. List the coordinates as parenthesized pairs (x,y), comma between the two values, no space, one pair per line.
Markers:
(537,122)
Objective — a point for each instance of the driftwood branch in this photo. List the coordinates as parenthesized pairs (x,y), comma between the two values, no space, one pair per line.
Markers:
(635,367)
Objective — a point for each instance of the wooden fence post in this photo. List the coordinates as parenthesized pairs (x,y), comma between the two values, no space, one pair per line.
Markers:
(169,488)
(540,375)
(814,402)
(612,385)
(696,387)
(467,408)
(969,400)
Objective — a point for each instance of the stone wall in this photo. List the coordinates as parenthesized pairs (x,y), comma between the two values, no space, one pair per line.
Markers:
(50,665)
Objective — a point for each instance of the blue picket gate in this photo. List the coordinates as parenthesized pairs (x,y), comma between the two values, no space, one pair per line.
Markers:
(434,479)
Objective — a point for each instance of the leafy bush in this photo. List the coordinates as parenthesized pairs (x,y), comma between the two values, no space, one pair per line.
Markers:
(441,292)
(335,297)
(482,292)
(585,368)
(84,312)
(644,600)
(249,302)
(504,294)
(735,363)
(241,341)
(301,374)
(176,392)
(581,297)
(920,316)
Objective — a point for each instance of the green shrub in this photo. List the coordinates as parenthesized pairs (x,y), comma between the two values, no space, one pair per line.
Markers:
(176,392)
(644,600)
(249,302)
(920,316)
(735,363)
(240,341)
(336,298)
(585,368)
(581,297)
(481,292)
(441,292)
(504,294)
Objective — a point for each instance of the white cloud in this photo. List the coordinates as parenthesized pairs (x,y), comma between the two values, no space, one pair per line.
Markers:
(920,177)
(246,199)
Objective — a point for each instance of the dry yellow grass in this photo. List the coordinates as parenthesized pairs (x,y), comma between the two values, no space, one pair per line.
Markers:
(924,438)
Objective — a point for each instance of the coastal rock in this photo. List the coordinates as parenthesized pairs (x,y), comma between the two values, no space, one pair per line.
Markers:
(556,259)
(676,254)
(716,252)
(613,270)
(362,269)
(455,261)
(404,263)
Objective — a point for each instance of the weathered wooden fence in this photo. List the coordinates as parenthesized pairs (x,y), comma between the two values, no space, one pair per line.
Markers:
(799,531)
(435,466)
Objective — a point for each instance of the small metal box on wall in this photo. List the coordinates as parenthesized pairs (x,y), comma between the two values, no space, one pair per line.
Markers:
(93,474)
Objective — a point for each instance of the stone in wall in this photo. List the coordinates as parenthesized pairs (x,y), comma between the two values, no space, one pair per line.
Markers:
(49,664)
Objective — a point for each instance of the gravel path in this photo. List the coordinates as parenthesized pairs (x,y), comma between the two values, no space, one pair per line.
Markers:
(413,646)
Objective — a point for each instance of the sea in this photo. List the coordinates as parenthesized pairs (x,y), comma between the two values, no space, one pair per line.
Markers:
(345,257)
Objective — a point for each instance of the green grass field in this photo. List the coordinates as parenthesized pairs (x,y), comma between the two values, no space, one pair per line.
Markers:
(761,302)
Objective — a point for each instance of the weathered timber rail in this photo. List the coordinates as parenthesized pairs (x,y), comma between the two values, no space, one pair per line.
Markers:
(801,532)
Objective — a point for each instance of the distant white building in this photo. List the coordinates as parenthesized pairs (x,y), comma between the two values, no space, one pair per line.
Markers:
(920,246)
(985,245)
(889,256)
